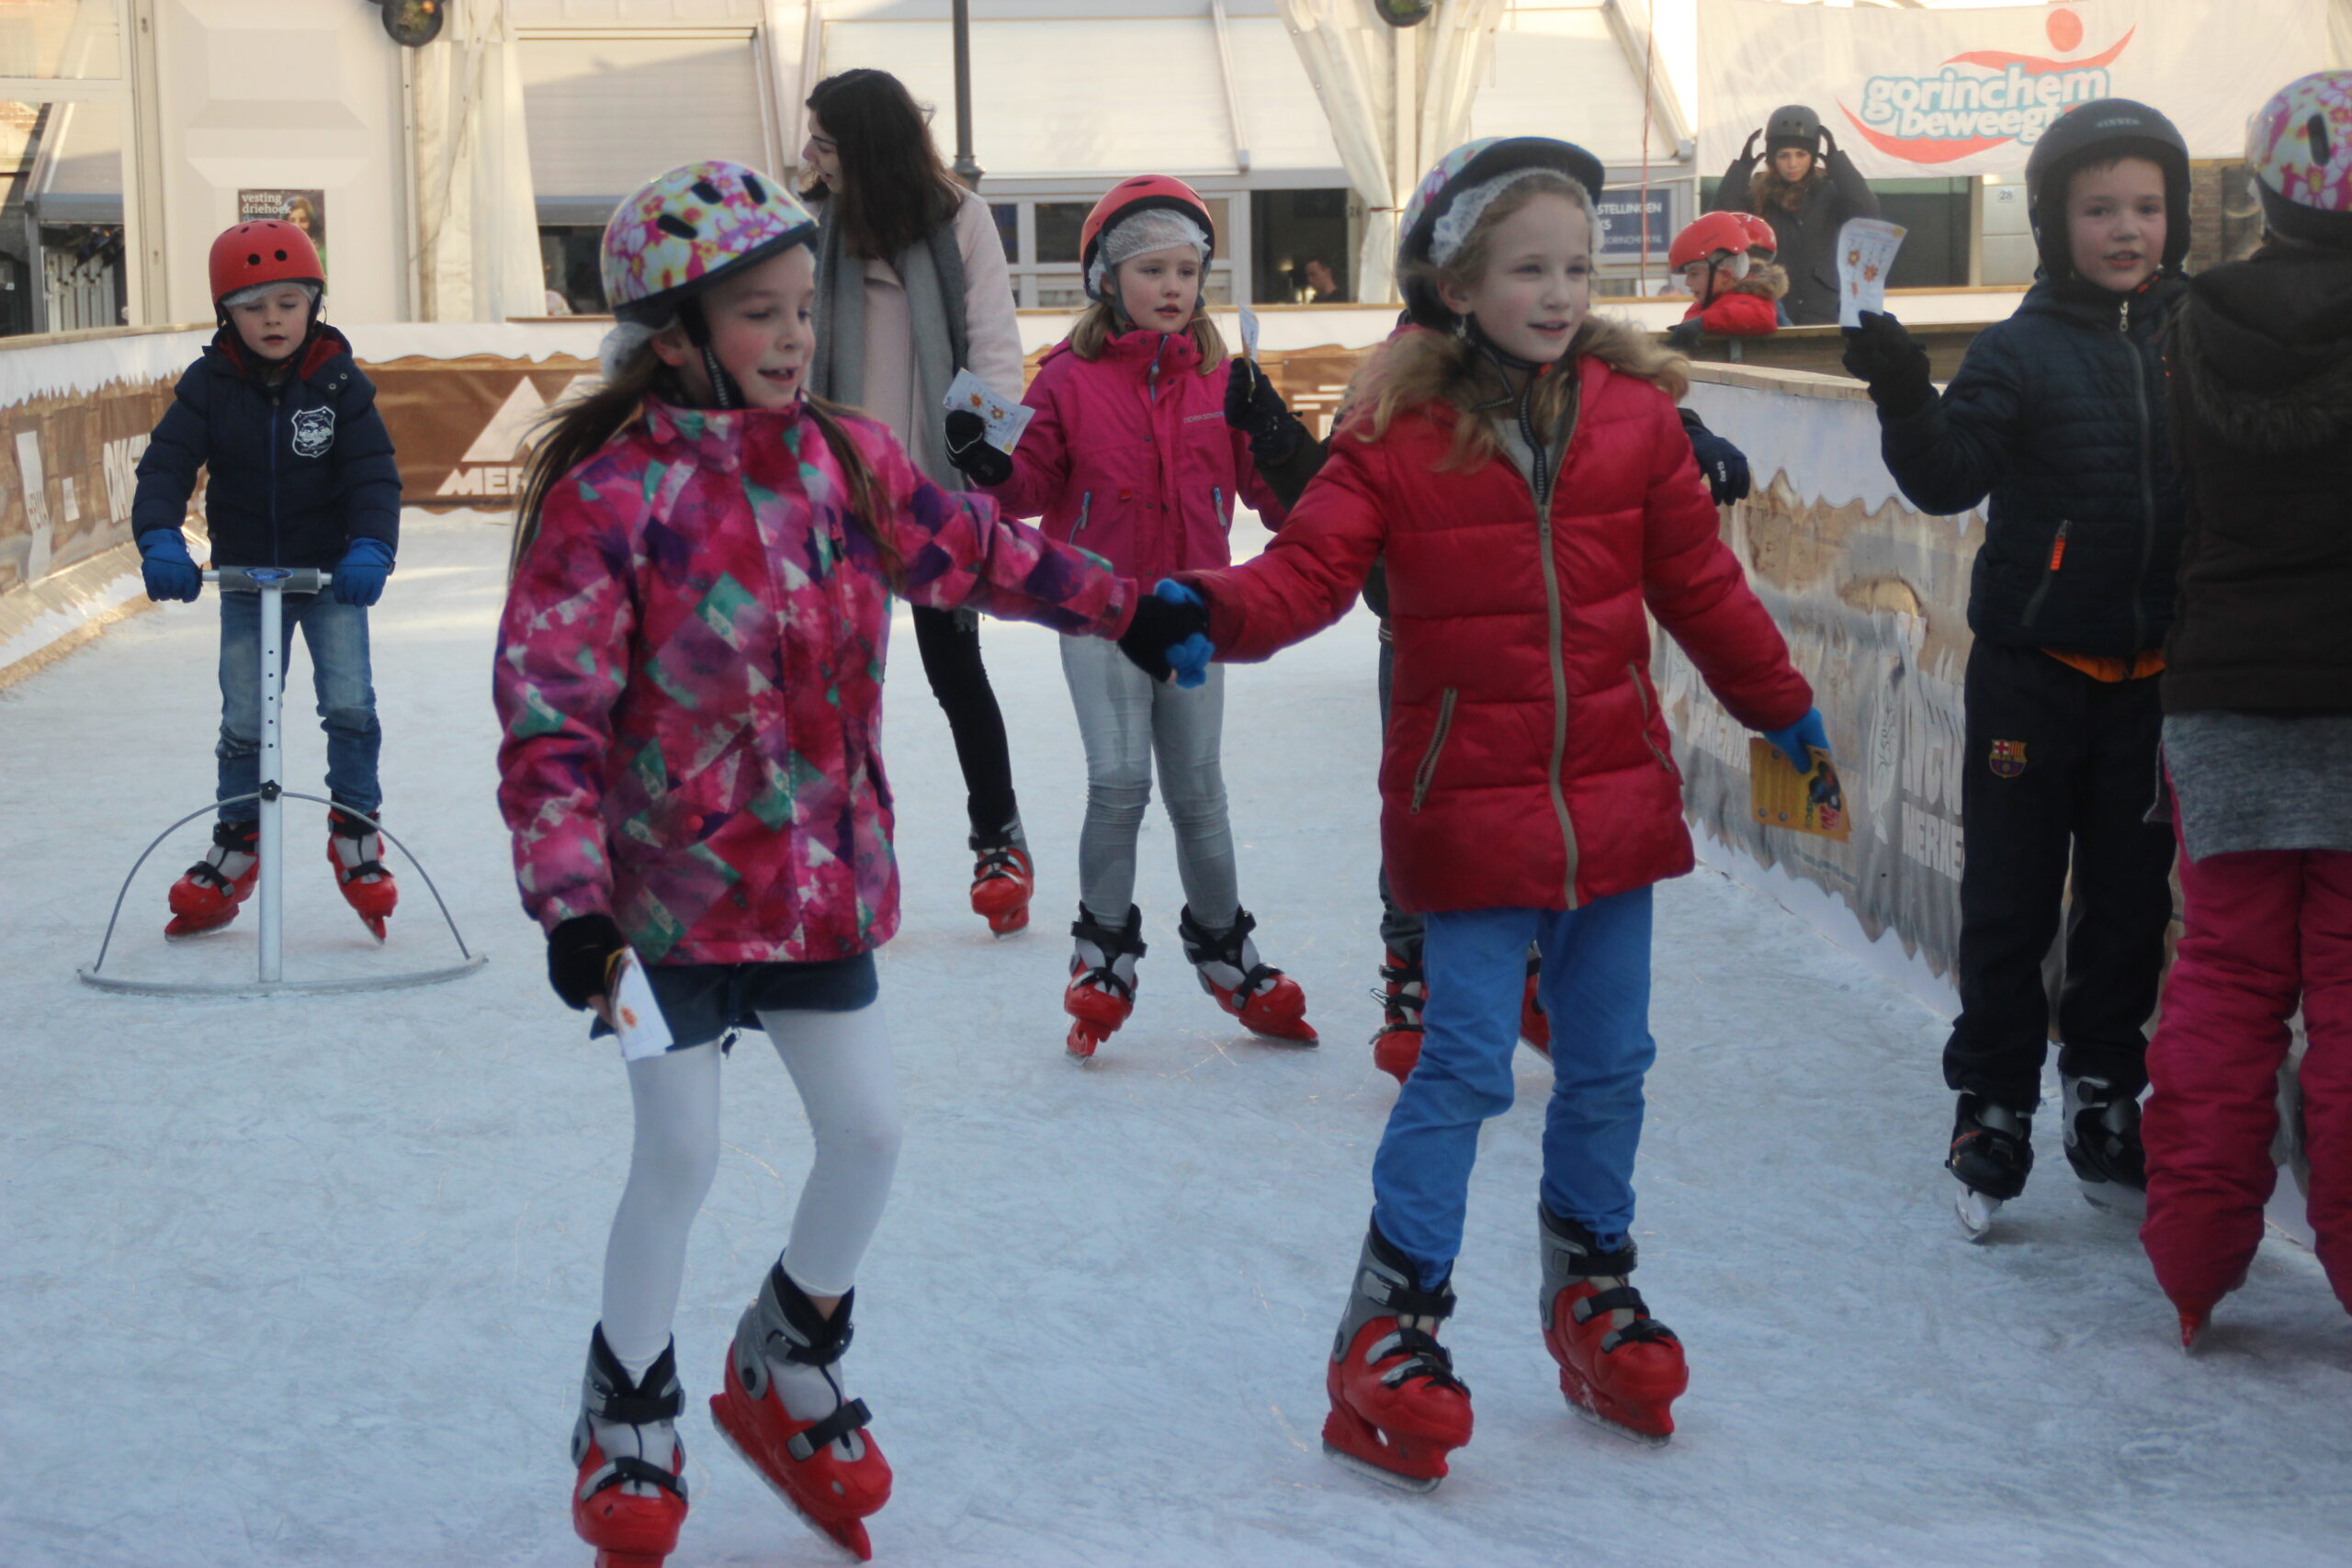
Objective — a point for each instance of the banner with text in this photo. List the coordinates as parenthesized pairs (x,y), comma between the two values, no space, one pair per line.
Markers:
(1922,93)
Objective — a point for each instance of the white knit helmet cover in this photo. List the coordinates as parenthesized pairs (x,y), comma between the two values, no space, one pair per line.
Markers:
(262,290)
(1451,231)
(620,345)
(1153,229)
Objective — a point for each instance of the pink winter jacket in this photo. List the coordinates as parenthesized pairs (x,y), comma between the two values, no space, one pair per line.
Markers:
(689,680)
(1130,457)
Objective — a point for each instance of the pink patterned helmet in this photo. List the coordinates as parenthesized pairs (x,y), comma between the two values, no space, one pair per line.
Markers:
(691,226)
(2298,146)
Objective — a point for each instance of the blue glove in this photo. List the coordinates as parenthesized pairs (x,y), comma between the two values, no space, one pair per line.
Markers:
(168,569)
(1190,658)
(1793,741)
(1725,465)
(1168,639)
(359,575)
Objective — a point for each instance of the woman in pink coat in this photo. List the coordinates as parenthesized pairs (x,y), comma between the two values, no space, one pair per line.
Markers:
(1133,455)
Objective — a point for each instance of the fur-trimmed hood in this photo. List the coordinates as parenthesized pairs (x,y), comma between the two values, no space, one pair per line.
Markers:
(2264,350)
(1766,280)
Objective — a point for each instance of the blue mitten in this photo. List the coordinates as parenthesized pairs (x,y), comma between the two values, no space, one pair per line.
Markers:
(1168,639)
(1795,742)
(1189,658)
(167,569)
(359,575)
(1724,465)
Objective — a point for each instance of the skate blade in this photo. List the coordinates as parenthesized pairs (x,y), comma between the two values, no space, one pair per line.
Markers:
(630,1559)
(849,1538)
(174,933)
(1631,1434)
(376,927)
(1976,1211)
(1002,926)
(2115,1197)
(1386,1477)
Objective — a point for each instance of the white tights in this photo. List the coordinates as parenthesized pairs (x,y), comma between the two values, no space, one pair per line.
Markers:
(840,1063)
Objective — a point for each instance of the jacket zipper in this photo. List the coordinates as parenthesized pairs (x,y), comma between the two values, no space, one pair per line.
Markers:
(2147,483)
(1085,505)
(1539,487)
(1428,770)
(1633,673)
(2048,572)
(1216,505)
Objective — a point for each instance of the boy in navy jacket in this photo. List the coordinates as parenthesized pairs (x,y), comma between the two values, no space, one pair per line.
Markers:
(303,475)
(2057,414)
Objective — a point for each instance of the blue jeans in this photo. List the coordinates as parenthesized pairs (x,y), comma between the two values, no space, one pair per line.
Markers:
(1596,987)
(336,635)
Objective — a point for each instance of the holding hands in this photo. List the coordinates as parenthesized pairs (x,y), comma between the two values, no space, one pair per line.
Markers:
(1169,639)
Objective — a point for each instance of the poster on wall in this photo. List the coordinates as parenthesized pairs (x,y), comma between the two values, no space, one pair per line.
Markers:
(1926,94)
(306,209)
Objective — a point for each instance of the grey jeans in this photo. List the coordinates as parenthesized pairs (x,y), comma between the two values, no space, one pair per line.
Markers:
(1127,719)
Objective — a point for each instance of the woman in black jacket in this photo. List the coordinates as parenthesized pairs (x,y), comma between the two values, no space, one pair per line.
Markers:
(1806,189)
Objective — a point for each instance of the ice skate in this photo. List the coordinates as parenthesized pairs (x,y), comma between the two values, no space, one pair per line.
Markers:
(1266,1000)
(2103,1146)
(1101,990)
(1397,1407)
(1619,1368)
(1992,1152)
(355,850)
(786,1355)
(1396,1044)
(1533,1027)
(630,1497)
(1002,880)
(206,896)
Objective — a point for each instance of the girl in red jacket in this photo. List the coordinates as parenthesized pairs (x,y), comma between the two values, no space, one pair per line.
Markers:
(1520,469)
(1730,298)
(1130,455)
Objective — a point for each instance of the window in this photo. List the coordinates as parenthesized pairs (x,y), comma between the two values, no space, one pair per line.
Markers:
(570,256)
(1299,245)
(1059,223)
(1008,227)
(602,115)
(62,262)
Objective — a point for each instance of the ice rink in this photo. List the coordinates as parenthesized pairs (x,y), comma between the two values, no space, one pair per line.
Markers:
(310,1280)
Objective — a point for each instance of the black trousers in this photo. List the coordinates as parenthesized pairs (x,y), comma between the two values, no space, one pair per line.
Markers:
(2060,768)
(950,645)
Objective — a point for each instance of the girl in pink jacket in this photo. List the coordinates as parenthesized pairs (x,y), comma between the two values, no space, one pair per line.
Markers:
(689,682)
(1138,452)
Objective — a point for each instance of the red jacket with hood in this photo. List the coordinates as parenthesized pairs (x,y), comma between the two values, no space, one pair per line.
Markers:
(1527,761)
(1130,457)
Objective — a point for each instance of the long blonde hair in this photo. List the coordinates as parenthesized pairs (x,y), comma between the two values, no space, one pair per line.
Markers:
(1097,324)
(1416,368)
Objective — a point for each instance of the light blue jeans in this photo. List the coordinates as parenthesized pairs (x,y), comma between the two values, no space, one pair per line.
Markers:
(337,637)
(1596,989)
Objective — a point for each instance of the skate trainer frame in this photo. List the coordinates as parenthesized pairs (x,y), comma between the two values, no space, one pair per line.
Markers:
(273,584)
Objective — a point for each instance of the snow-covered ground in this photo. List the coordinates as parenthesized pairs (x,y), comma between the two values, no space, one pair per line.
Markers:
(309,1280)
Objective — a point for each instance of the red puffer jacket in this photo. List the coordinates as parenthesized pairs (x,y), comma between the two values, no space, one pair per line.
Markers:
(1527,763)
(1130,457)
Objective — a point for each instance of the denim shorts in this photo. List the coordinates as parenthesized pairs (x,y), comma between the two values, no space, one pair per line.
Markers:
(702,1002)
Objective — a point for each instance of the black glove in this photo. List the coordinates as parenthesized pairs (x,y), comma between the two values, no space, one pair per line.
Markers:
(1725,465)
(1828,144)
(1254,408)
(968,449)
(1747,150)
(1170,615)
(1882,353)
(579,954)
(1683,335)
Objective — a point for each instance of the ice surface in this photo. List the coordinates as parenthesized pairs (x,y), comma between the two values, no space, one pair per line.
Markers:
(310,1280)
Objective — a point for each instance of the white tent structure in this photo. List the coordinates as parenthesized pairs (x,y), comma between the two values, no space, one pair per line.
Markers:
(477,235)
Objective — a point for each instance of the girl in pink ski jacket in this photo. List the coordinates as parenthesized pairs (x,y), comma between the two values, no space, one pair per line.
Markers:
(1137,450)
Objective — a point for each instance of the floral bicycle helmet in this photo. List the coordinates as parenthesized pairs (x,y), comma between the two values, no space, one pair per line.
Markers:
(2298,146)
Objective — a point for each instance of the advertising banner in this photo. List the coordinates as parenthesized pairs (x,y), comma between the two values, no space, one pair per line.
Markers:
(1922,93)
(459,425)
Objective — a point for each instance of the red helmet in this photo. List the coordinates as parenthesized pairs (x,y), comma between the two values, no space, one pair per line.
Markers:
(1141,194)
(1759,233)
(267,250)
(1713,232)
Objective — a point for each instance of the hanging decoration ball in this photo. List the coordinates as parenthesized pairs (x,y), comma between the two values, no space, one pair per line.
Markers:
(414,22)
(1403,12)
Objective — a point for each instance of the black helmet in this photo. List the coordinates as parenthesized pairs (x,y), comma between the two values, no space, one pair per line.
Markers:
(2104,128)
(1474,163)
(1792,125)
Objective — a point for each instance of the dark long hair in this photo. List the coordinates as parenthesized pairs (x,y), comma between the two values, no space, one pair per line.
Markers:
(894,188)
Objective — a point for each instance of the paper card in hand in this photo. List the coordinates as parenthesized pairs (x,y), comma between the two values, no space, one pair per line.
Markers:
(637,1016)
(1866,248)
(1811,802)
(1005,417)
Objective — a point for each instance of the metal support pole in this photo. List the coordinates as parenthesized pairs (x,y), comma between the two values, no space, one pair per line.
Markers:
(967,168)
(272,584)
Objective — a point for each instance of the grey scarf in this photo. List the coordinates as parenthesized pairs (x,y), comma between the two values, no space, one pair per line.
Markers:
(931,272)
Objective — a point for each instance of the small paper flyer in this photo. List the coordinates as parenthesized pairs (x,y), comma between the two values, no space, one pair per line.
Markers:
(1005,417)
(1804,803)
(1866,248)
(1249,332)
(637,1016)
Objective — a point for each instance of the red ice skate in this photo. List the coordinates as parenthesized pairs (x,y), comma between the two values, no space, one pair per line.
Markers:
(1266,1000)
(1002,881)
(1101,990)
(1397,1047)
(206,896)
(1533,1026)
(355,850)
(1624,1376)
(831,1472)
(1397,1407)
(628,1508)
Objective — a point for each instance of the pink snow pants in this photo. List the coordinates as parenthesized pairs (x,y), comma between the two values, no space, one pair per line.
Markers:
(2262,932)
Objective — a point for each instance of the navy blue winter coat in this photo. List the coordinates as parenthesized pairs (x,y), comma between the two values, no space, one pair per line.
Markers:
(299,469)
(2059,414)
